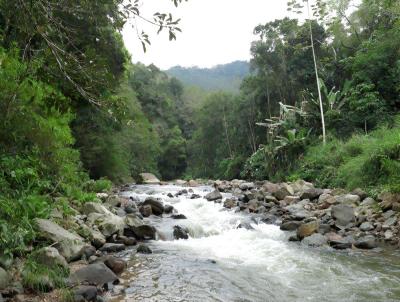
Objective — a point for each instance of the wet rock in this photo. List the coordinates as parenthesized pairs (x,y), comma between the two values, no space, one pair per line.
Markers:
(85,293)
(315,240)
(115,264)
(149,178)
(307,229)
(146,210)
(195,196)
(69,245)
(338,242)
(294,238)
(89,251)
(112,247)
(215,195)
(311,193)
(366,226)
(142,232)
(178,216)
(4,279)
(344,214)
(180,232)
(245,225)
(156,206)
(170,195)
(367,242)
(290,226)
(143,249)
(324,229)
(94,274)
(230,203)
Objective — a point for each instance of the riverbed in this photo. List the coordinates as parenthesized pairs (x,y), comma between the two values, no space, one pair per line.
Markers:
(221,262)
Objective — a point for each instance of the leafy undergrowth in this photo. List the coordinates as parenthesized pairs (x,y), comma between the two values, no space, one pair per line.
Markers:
(368,161)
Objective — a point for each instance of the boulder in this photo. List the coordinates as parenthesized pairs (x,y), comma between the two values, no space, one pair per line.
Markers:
(178,216)
(92,234)
(338,242)
(368,202)
(389,222)
(112,247)
(4,279)
(367,242)
(157,206)
(307,229)
(246,186)
(366,226)
(108,224)
(230,203)
(149,179)
(270,187)
(348,199)
(142,232)
(281,193)
(115,264)
(193,183)
(69,245)
(311,193)
(301,186)
(290,226)
(168,209)
(94,274)
(180,232)
(146,210)
(215,195)
(388,199)
(85,293)
(50,257)
(315,240)
(94,207)
(143,249)
(360,193)
(344,214)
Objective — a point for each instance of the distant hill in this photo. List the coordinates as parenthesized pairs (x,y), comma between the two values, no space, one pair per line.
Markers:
(225,77)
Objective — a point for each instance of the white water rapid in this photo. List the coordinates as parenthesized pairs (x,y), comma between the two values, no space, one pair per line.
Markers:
(220,262)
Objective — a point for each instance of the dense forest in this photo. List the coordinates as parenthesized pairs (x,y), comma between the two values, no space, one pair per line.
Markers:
(76,115)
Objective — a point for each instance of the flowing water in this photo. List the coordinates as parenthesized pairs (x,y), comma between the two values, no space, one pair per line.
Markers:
(220,262)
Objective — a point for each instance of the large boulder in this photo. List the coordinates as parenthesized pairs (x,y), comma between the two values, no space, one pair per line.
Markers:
(180,232)
(348,199)
(311,193)
(307,229)
(282,192)
(315,240)
(70,246)
(215,195)
(94,207)
(344,214)
(50,257)
(367,242)
(84,293)
(136,227)
(157,206)
(94,274)
(96,238)
(149,178)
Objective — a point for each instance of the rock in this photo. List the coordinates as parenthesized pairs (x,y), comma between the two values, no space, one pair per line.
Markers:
(367,242)
(324,229)
(344,214)
(149,179)
(348,199)
(245,225)
(193,183)
(50,257)
(89,251)
(143,249)
(294,238)
(230,203)
(281,193)
(389,222)
(311,193)
(180,232)
(315,240)
(4,279)
(324,197)
(110,224)
(85,293)
(93,235)
(168,209)
(112,247)
(246,186)
(142,232)
(396,206)
(115,264)
(338,242)
(94,207)
(215,195)
(388,199)
(146,210)
(178,216)
(307,229)
(69,245)
(180,182)
(301,186)
(290,226)
(360,193)
(368,202)
(388,235)
(156,206)
(366,226)
(270,187)
(94,274)
(291,199)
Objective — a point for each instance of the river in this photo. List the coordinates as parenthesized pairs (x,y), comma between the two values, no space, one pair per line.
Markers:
(220,262)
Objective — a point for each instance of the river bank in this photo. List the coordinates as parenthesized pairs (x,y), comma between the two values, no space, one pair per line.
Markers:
(230,223)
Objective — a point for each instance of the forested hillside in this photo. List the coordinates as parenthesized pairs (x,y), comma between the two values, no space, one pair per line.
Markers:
(226,77)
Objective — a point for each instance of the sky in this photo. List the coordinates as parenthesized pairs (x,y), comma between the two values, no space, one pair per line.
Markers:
(214,31)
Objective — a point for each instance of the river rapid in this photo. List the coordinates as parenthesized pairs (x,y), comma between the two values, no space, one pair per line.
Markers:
(221,262)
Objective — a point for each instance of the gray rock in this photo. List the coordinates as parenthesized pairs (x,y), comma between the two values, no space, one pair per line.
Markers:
(157,206)
(367,242)
(178,216)
(50,257)
(4,279)
(246,186)
(307,229)
(85,293)
(230,203)
(69,245)
(146,210)
(142,232)
(290,226)
(311,193)
(281,193)
(388,235)
(324,229)
(215,195)
(94,207)
(115,264)
(112,247)
(149,178)
(360,193)
(389,222)
(344,214)
(368,202)
(315,240)
(366,226)
(348,199)
(180,232)
(143,249)
(94,274)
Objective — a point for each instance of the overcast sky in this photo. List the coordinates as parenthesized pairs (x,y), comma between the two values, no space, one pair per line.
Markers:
(214,31)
